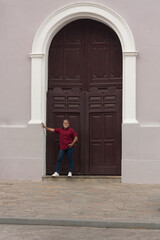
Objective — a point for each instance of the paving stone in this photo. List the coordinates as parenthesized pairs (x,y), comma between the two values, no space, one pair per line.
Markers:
(70,200)
(15,232)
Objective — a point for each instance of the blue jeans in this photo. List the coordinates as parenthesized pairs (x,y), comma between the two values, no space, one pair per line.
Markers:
(69,151)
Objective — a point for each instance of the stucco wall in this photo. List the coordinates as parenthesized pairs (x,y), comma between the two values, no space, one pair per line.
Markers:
(22,144)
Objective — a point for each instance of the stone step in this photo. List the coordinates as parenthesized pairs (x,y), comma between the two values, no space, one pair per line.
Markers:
(84,178)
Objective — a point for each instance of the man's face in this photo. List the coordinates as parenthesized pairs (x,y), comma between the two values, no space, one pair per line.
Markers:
(65,124)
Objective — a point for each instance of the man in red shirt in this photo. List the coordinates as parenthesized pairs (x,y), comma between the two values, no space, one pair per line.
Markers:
(67,139)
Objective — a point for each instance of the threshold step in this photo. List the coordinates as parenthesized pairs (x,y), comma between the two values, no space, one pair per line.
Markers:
(84,178)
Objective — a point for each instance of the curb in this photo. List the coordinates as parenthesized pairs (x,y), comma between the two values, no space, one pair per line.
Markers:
(81,223)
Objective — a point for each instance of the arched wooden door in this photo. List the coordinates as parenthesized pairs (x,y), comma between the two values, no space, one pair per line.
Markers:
(85,86)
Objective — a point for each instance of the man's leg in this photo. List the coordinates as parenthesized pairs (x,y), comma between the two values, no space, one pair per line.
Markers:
(59,160)
(70,158)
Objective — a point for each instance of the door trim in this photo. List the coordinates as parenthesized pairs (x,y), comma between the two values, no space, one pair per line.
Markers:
(44,36)
(39,58)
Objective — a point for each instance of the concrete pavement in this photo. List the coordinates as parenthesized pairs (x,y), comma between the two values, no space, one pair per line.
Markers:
(72,203)
(16,232)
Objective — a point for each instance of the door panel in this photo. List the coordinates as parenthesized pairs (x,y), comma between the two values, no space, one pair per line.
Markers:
(85,86)
(63,104)
(104,151)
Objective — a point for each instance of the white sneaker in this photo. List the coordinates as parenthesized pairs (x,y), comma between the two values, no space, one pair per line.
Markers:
(55,174)
(69,174)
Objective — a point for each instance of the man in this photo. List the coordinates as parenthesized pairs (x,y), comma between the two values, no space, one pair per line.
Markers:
(67,139)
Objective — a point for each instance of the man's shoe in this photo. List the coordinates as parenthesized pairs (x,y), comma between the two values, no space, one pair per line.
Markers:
(69,174)
(55,174)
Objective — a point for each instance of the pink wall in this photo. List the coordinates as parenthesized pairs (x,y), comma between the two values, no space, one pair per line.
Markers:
(21,146)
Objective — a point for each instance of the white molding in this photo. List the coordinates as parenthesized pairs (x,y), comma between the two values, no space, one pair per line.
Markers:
(129,88)
(12,126)
(55,21)
(150,125)
(36,55)
(44,36)
(130,53)
(34,121)
(39,58)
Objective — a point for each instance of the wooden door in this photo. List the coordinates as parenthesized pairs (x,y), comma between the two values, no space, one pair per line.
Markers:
(85,86)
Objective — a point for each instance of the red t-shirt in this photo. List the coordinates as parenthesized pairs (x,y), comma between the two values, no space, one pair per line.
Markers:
(66,136)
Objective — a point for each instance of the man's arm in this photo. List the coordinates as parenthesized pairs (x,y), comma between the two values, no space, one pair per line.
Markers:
(74,140)
(47,128)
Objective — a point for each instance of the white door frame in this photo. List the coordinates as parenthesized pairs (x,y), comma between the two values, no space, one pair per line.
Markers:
(39,57)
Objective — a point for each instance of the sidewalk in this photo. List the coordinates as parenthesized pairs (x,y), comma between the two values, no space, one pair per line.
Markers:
(71,203)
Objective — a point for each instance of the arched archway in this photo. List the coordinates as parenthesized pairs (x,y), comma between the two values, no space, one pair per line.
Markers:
(39,56)
(85,86)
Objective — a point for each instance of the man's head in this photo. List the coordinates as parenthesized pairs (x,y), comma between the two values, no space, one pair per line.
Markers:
(65,123)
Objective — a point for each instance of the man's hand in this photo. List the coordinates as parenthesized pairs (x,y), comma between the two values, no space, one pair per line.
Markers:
(47,128)
(74,140)
(70,145)
(43,125)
